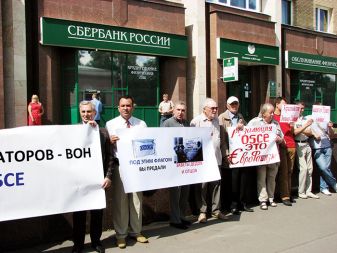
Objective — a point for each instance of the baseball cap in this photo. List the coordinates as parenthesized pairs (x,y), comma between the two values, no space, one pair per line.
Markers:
(232,99)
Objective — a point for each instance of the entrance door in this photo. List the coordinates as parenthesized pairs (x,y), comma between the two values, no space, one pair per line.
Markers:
(113,75)
(242,90)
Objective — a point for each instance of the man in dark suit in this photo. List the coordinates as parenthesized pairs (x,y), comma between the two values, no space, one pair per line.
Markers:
(87,112)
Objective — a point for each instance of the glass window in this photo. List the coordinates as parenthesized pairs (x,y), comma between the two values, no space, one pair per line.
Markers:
(312,87)
(239,3)
(286,12)
(94,72)
(322,20)
(142,75)
(244,4)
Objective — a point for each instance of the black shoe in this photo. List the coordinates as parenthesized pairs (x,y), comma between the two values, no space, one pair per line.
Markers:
(98,248)
(235,211)
(292,200)
(246,208)
(77,249)
(286,202)
(178,225)
(186,222)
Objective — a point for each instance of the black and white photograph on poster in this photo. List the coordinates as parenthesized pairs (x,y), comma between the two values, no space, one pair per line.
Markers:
(143,147)
(188,150)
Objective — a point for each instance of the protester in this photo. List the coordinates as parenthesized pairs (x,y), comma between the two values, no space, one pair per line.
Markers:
(208,118)
(232,118)
(179,194)
(127,209)
(321,146)
(266,174)
(87,112)
(165,109)
(35,111)
(287,154)
(302,132)
(98,107)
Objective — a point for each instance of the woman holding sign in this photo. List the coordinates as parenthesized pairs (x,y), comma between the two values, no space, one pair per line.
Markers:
(266,174)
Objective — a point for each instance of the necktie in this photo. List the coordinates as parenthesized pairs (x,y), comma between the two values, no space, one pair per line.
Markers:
(128,124)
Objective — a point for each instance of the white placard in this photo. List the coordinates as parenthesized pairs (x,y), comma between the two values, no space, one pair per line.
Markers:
(321,115)
(290,113)
(153,158)
(252,146)
(50,169)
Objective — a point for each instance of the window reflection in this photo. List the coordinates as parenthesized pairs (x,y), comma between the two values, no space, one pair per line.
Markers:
(94,72)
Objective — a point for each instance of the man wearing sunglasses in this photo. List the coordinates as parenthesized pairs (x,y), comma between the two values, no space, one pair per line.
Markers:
(209,118)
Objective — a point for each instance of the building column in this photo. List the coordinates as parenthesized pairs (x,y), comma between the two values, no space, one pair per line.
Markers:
(196,63)
(14,57)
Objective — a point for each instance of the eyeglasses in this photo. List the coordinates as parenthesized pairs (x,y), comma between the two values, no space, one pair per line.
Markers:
(212,108)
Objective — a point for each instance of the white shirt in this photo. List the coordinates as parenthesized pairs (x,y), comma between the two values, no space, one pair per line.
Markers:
(119,123)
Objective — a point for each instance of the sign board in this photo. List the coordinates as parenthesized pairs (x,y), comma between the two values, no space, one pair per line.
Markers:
(230,69)
(247,52)
(310,62)
(68,33)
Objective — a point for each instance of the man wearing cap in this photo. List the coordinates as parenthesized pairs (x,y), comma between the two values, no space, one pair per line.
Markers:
(209,118)
(232,118)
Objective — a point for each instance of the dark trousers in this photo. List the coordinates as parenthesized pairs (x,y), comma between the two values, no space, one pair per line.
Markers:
(79,225)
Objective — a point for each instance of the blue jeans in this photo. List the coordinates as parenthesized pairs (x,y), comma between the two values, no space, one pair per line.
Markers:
(163,118)
(323,159)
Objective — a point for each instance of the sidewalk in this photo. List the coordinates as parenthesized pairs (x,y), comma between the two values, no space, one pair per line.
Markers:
(309,226)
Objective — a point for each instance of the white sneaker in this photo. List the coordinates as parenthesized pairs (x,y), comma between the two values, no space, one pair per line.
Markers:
(302,196)
(311,195)
(202,218)
(326,192)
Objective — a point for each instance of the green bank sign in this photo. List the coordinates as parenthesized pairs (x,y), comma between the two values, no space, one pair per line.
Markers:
(248,52)
(65,33)
(310,62)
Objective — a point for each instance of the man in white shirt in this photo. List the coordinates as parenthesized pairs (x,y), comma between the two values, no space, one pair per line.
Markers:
(302,132)
(127,209)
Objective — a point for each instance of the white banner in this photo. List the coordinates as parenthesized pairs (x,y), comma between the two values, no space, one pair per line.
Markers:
(153,158)
(321,115)
(50,169)
(290,113)
(252,146)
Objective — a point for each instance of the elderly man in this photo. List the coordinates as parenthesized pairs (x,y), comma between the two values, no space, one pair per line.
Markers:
(179,194)
(232,118)
(87,112)
(128,206)
(266,174)
(208,118)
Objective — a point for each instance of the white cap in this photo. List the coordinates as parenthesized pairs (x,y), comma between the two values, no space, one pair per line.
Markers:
(232,99)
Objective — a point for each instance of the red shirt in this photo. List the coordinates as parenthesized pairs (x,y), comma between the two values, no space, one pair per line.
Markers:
(286,129)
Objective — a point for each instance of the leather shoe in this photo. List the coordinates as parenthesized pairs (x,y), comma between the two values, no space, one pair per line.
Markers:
(247,209)
(286,202)
(235,211)
(76,250)
(178,225)
(186,222)
(98,248)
